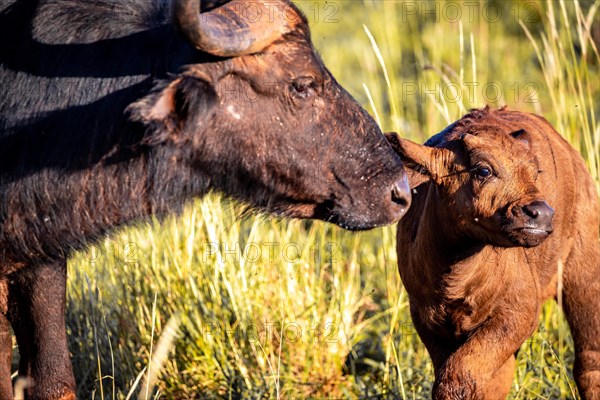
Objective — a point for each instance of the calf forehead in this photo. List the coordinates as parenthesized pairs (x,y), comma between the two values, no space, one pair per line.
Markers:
(487,122)
(496,135)
(512,155)
(500,141)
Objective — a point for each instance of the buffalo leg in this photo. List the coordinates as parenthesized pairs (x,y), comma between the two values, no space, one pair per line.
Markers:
(38,319)
(5,359)
(581,294)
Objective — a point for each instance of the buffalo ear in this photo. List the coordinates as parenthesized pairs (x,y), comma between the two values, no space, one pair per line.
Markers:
(419,160)
(167,108)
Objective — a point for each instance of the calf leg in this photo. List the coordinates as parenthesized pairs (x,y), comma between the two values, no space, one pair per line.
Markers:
(438,347)
(581,294)
(38,319)
(470,369)
(501,381)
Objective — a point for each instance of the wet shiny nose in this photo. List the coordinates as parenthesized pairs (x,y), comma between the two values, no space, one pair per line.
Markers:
(401,193)
(541,213)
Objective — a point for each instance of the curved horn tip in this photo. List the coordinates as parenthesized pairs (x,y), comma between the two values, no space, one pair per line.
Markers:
(226,31)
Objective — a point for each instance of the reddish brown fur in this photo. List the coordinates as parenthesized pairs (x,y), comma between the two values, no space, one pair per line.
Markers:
(475,290)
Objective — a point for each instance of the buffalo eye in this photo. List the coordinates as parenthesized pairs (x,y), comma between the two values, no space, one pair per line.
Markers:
(303,87)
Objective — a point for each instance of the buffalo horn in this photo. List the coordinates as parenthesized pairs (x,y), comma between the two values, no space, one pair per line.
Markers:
(236,28)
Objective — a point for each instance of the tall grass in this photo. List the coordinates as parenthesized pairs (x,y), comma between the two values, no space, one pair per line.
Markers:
(292,309)
(565,53)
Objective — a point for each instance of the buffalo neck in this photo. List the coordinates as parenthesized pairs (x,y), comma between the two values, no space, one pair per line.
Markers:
(57,210)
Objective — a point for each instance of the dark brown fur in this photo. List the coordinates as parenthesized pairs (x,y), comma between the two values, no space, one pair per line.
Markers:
(108,115)
(476,284)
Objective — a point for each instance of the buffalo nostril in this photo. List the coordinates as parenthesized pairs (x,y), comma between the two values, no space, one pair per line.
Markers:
(401,192)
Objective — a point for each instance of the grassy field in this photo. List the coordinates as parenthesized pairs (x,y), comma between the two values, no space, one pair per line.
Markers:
(215,305)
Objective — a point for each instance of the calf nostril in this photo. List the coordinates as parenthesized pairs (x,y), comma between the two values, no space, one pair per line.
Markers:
(401,192)
(539,210)
(533,212)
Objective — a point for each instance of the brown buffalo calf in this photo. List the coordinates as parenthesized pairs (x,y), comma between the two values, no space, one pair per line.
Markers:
(500,203)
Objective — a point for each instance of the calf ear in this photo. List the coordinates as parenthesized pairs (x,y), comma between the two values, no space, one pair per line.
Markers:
(419,160)
(168,107)
(521,135)
(471,141)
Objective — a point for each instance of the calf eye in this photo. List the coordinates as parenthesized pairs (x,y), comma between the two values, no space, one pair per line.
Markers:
(303,87)
(483,172)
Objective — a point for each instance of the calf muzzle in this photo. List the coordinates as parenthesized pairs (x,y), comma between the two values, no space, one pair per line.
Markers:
(531,223)
(541,214)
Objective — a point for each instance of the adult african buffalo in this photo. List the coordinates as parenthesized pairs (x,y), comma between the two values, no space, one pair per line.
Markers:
(502,203)
(109,113)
